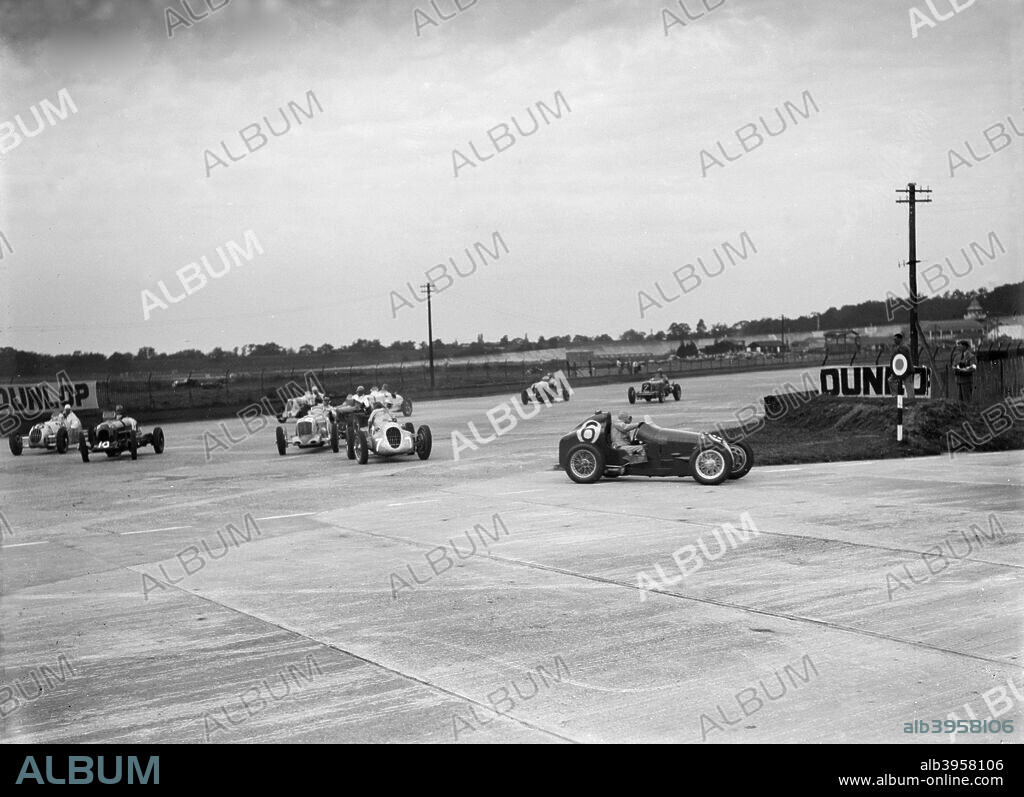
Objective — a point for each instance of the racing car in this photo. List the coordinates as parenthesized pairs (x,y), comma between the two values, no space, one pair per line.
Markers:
(544,391)
(391,401)
(312,424)
(586,453)
(117,433)
(655,389)
(379,433)
(56,434)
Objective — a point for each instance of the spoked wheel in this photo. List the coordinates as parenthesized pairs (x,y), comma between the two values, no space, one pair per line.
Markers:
(362,449)
(585,463)
(424,442)
(711,465)
(282,444)
(158,440)
(632,395)
(742,460)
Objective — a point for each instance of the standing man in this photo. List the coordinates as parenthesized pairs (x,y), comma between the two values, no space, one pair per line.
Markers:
(896,382)
(964,366)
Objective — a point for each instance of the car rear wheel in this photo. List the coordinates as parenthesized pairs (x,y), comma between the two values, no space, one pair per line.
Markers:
(133,445)
(158,440)
(282,444)
(632,395)
(661,397)
(565,394)
(677,392)
(16,443)
(584,463)
(406,407)
(424,442)
(742,460)
(362,449)
(350,444)
(62,441)
(83,448)
(710,466)
(335,443)
(524,397)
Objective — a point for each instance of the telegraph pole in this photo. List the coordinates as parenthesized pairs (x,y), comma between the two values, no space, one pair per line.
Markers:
(430,331)
(913,197)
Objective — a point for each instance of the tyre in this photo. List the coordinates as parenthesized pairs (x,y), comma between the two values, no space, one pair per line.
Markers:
(282,444)
(133,444)
(424,442)
(742,460)
(16,443)
(524,397)
(584,463)
(350,445)
(677,392)
(158,440)
(406,407)
(565,394)
(661,398)
(83,448)
(335,443)
(632,395)
(62,441)
(362,449)
(710,465)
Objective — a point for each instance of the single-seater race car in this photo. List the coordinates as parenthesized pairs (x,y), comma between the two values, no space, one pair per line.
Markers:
(57,434)
(389,400)
(118,433)
(586,453)
(380,433)
(655,389)
(544,391)
(307,422)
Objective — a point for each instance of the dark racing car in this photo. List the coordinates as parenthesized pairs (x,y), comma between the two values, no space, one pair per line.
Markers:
(655,389)
(586,454)
(118,433)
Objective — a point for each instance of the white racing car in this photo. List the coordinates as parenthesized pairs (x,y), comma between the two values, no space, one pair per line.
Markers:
(385,437)
(389,400)
(308,425)
(57,434)
(544,391)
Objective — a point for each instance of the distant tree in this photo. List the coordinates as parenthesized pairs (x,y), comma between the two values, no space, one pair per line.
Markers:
(307,350)
(146,353)
(325,349)
(504,340)
(603,338)
(702,329)
(217,353)
(632,336)
(719,331)
(679,330)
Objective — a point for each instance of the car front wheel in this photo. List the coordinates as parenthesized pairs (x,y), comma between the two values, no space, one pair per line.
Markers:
(632,395)
(710,466)
(282,444)
(362,449)
(584,463)
(62,441)
(424,442)
(742,460)
(158,440)
(16,443)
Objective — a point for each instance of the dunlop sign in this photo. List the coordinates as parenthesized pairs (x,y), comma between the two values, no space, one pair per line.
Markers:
(871,381)
(30,401)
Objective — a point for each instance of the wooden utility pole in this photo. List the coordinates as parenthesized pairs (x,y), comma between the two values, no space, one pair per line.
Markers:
(913,197)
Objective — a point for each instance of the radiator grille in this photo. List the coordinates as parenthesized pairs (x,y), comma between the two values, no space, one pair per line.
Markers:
(394,436)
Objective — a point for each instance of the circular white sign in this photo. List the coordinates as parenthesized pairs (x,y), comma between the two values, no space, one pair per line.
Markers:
(900,364)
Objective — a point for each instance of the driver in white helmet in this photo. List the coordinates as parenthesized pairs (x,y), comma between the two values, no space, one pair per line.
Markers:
(70,418)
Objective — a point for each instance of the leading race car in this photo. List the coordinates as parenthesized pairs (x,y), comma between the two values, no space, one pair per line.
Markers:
(57,434)
(380,433)
(310,423)
(544,391)
(389,400)
(655,389)
(118,433)
(586,454)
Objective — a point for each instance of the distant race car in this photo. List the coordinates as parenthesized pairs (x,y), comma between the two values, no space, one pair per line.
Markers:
(380,433)
(392,401)
(116,434)
(655,389)
(544,391)
(55,434)
(586,454)
(307,425)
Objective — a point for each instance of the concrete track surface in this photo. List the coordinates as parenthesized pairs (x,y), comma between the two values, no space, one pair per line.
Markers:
(490,599)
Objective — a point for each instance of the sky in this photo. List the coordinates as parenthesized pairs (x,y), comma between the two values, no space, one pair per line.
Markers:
(597,205)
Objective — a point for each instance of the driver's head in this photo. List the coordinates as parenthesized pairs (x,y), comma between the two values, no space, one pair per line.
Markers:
(360,390)
(67,410)
(625,417)
(119,409)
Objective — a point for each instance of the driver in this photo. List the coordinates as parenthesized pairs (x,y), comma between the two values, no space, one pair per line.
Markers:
(622,439)
(380,416)
(661,377)
(70,418)
(361,397)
